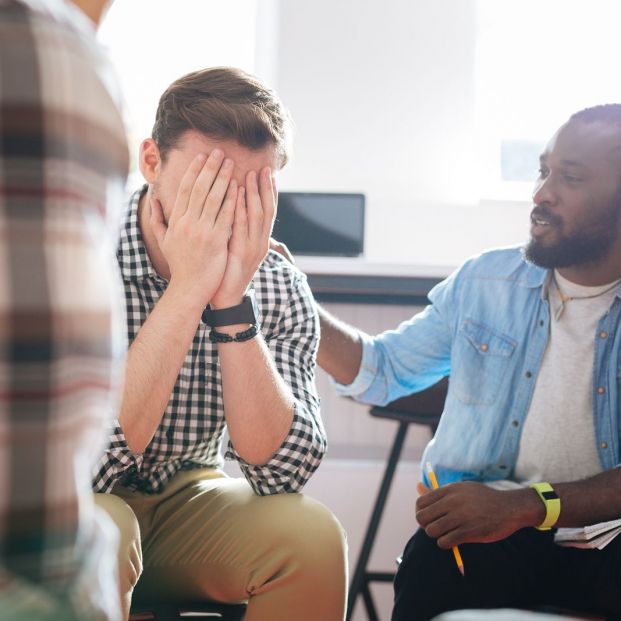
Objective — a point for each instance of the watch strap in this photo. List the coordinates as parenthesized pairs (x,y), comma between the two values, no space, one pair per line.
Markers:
(551,502)
(246,312)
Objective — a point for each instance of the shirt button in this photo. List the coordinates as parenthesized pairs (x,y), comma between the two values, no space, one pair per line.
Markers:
(515,423)
(484,347)
(601,390)
(541,322)
(502,467)
(603,335)
(528,374)
(604,445)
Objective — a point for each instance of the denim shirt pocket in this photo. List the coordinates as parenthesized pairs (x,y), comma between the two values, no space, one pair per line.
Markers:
(481,358)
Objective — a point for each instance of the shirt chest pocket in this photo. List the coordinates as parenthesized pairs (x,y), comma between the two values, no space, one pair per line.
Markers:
(480,363)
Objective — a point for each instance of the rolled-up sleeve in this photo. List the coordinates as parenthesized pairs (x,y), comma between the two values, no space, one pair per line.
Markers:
(116,460)
(410,358)
(292,336)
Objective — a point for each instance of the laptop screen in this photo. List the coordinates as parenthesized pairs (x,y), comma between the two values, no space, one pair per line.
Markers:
(313,223)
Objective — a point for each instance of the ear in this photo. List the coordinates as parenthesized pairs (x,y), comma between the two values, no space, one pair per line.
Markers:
(150,160)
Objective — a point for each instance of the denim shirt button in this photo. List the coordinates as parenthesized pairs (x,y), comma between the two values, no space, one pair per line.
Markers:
(604,445)
(528,374)
(484,347)
(515,423)
(601,390)
(603,335)
(502,467)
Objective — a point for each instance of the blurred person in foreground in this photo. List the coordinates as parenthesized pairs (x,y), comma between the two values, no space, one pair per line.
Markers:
(63,164)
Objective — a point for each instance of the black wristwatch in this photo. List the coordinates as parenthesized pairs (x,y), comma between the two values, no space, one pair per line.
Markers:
(246,312)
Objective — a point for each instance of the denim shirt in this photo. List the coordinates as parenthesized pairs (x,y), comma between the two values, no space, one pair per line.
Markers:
(487,327)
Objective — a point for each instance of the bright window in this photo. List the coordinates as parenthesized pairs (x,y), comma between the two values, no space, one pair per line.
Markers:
(153,42)
(537,62)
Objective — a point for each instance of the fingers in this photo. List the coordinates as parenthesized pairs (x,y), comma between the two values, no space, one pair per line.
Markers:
(204,181)
(268,200)
(426,516)
(422,489)
(261,203)
(452,538)
(203,186)
(226,214)
(212,202)
(185,187)
(429,498)
(441,527)
(254,208)
(275,189)
(239,223)
(158,226)
(441,523)
(240,226)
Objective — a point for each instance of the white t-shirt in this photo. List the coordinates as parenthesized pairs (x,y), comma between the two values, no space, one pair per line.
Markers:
(558,441)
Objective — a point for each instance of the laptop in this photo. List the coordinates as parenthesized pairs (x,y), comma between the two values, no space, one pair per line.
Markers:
(321,223)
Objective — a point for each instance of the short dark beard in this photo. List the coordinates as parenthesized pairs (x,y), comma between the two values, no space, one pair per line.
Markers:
(585,247)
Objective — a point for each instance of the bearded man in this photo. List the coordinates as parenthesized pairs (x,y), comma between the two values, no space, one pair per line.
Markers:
(529,437)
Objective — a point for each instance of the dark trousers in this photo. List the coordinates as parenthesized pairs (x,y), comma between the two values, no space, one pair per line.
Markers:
(526,570)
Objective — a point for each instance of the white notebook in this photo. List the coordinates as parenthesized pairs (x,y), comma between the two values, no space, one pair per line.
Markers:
(592,536)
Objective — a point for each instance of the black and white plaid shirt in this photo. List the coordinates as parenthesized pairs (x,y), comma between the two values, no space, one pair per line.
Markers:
(190,433)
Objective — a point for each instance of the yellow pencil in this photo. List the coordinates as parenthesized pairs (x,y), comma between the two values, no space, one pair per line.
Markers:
(434,484)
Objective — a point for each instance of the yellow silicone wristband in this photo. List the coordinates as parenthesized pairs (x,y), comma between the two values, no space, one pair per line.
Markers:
(551,502)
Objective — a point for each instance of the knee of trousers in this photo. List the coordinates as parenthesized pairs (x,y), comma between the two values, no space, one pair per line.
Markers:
(130,547)
(426,580)
(310,532)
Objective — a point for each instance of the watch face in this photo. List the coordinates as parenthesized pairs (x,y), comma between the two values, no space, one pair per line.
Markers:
(253,303)
(551,495)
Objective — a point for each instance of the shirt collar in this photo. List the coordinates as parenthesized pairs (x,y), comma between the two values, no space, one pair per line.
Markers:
(547,283)
(535,276)
(540,277)
(132,253)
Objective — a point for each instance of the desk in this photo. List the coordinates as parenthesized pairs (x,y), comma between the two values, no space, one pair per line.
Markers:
(359,281)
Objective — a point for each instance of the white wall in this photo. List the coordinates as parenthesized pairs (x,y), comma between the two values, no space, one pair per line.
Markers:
(382,93)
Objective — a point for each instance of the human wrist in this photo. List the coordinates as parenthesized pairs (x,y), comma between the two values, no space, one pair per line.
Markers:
(192,297)
(228,302)
(551,503)
(221,301)
(234,320)
(530,511)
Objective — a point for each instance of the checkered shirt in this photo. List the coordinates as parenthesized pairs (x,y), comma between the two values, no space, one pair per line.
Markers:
(63,163)
(190,433)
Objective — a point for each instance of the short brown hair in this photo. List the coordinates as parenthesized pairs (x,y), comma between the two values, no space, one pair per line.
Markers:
(223,103)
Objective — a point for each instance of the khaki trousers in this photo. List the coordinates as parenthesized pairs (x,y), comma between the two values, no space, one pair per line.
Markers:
(209,537)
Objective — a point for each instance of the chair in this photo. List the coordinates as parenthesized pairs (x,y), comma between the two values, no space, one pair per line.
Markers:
(178,612)
(422,408)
